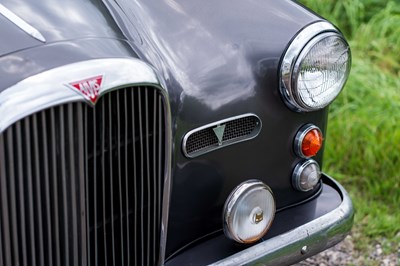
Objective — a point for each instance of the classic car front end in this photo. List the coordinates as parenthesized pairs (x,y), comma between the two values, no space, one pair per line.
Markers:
(165,132)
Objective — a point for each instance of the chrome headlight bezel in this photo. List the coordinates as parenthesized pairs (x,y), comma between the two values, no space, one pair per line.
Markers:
(293,57)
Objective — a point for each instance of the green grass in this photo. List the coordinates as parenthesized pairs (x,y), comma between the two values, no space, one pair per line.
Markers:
(363,140)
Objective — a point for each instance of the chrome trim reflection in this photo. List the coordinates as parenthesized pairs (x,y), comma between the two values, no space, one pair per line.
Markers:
(298,140)
(51,88)
(291,56)
(167,176)
(22,24)
(317,235)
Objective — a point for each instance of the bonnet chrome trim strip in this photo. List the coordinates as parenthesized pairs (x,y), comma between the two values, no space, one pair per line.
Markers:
(22,24)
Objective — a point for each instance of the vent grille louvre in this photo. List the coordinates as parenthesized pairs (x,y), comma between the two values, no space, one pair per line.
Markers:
(237,129)
(83,185)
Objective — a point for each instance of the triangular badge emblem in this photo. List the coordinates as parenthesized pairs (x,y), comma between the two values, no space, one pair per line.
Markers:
(219,132)
(89,88)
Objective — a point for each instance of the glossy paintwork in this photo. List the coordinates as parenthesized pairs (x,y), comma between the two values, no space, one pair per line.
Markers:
(16,39)
(217,60)
(74,31)
(20,65)
(220,62)
(56,21)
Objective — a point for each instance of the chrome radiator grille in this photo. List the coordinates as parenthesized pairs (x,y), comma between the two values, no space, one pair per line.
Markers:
(82,185)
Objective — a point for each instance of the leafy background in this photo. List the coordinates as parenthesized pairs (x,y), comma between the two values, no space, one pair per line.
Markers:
(363,139)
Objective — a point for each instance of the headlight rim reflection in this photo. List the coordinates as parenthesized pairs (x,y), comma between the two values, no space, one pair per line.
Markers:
(293,58)
(299,62)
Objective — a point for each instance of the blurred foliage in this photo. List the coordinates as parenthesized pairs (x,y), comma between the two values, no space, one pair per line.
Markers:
(363,141)
(373,26)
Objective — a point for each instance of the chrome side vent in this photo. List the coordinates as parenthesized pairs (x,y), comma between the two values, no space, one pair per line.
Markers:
(220,134)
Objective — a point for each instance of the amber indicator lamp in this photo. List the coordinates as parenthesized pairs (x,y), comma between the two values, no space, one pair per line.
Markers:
(308,141)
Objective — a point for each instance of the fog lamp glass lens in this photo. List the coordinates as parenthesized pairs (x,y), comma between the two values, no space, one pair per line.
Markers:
(248,212)
(306,175)
(322,71)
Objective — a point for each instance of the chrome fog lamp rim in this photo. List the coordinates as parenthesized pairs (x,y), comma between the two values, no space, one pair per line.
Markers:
(298,49)
(299,170)
(231,204)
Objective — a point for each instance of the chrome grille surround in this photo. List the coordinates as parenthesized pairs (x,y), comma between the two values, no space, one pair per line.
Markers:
(26,111)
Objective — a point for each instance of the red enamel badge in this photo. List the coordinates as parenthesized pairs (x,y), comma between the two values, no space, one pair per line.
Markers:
(90,87)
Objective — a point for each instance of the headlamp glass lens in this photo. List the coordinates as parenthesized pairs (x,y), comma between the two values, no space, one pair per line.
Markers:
(322,71)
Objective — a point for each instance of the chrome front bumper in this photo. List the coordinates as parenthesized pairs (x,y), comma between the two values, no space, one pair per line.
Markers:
(301,242)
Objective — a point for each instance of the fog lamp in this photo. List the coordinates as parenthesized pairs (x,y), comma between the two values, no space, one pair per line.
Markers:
(308,141)
(248,212)
(306,175)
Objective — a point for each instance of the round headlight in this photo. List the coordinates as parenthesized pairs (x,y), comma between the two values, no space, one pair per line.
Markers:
(315,67)
(248,212)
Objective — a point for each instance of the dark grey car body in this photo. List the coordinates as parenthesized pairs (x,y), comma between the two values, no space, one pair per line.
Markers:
(215,61)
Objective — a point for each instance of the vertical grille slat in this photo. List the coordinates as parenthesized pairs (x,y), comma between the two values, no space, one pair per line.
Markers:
(1,241)
(72,188)
(147,134)
(37,189)
(95,186)
(64,200)
(142,244)
(160,154)
(11,198)
(46,176)
(2,175)
(86,166)
(28,175)
(154,173)
(4,206)
(83,185)
(81,180)
(69,183)
(111,175)
(103,175)
(54,185)
(119,160)
(135,186)
(21,193)
(126,177)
